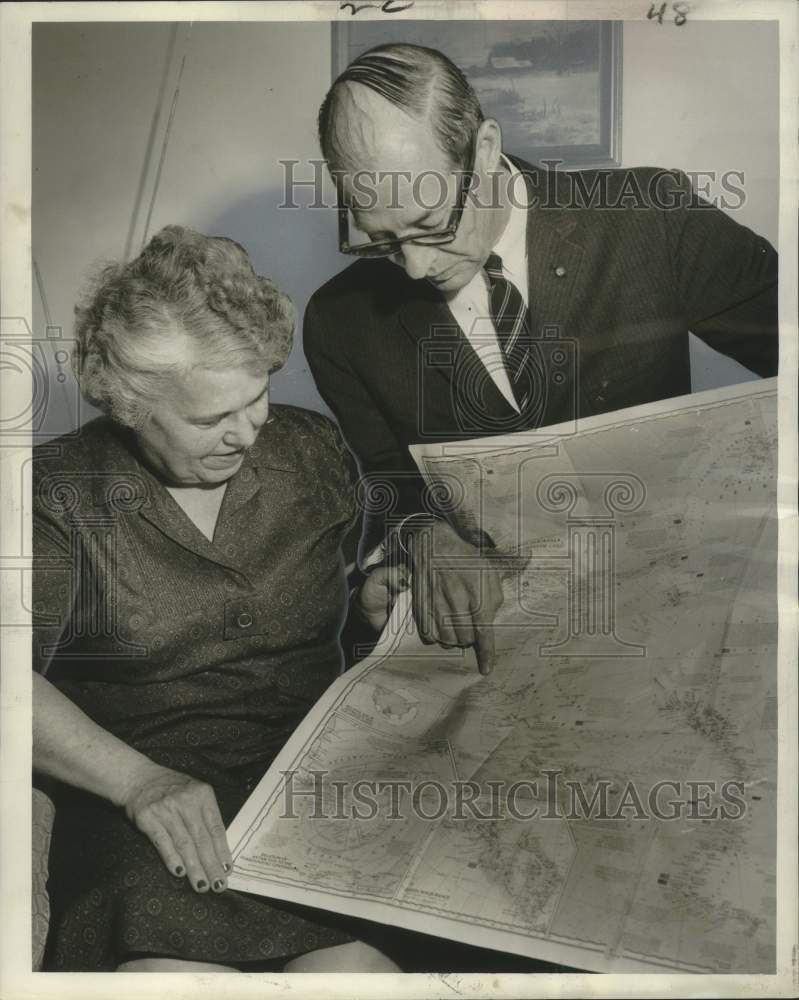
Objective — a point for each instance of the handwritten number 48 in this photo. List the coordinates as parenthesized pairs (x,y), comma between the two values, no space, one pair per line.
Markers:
(658,13)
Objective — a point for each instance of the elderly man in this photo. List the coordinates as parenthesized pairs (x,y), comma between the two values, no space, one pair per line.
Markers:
(494,296)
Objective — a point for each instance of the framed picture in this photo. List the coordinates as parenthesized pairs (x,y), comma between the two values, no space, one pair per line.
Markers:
(554,86)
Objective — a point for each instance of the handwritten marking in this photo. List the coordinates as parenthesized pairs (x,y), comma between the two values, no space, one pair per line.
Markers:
(386,7)
(658,13)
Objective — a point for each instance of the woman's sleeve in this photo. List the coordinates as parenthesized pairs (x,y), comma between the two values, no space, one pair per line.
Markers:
(345,480)
(357,636)
(54,584)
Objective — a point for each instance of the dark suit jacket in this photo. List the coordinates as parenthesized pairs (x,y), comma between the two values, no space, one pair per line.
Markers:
(622,264)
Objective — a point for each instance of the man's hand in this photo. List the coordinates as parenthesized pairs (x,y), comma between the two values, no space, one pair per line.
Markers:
(181,817)
(378,593)
(456,591)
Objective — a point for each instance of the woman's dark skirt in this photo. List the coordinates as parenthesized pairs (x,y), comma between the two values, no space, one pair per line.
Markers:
(112,899)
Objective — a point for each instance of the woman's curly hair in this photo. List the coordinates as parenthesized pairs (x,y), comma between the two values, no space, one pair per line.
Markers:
(187,300)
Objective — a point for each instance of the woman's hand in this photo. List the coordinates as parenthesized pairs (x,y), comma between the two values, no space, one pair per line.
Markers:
(181,817)
(178,813)
(378,593)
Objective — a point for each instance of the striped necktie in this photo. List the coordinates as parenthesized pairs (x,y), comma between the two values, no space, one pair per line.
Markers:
(522,356)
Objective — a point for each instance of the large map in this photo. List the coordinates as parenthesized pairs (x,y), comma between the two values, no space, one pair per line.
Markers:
(606,797)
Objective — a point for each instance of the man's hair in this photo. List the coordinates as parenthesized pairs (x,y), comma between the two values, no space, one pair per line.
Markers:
(422,82)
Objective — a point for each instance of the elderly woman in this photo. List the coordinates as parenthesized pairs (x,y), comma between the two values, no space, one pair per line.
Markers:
(189,595)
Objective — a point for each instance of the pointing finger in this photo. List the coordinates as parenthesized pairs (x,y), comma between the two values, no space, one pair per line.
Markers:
(484,648)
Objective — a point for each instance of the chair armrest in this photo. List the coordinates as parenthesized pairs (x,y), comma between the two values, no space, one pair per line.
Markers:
(41,828)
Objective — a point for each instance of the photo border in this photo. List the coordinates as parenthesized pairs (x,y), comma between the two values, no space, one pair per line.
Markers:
(16,980)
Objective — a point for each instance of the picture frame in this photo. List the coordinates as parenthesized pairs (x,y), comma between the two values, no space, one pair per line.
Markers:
(554,86)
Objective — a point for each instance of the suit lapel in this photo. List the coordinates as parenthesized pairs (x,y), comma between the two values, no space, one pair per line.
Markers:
(555,258)
(445,357)
(428,323)
(554,250)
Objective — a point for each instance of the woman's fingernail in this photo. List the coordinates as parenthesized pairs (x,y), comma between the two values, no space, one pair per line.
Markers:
(180,870)
(218,885)
(202,884)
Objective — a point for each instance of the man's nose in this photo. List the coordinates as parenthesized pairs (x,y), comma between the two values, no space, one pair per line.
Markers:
(417,259)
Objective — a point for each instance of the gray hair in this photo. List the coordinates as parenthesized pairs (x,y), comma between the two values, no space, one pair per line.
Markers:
(187,300)
(420,81)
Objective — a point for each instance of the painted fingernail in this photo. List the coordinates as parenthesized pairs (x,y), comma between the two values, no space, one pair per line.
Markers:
(180,870)
(219,885)
(202,884)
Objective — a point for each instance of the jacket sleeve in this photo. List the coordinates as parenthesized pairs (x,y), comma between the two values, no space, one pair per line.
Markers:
(726,276)
(390,487)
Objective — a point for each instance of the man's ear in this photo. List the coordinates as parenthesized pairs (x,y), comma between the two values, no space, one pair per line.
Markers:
(489,145)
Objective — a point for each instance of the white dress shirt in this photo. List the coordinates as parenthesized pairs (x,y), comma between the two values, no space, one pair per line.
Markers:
(470,305)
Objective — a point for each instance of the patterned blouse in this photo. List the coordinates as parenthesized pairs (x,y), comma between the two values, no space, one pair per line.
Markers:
(193,651)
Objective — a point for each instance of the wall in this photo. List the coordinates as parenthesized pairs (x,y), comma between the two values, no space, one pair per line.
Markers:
(248,96)
(704,97)
(701,97)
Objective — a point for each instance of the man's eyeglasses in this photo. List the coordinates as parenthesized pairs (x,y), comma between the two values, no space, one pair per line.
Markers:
(387,248)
